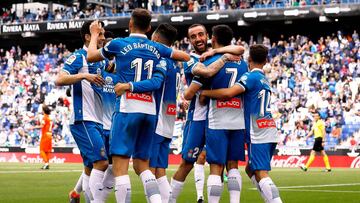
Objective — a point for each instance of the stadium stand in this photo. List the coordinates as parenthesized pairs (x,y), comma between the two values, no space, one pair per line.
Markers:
(124,8)
(306,75)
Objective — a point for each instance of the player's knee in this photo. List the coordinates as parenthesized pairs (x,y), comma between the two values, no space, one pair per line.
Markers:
(201,159)
(101,165)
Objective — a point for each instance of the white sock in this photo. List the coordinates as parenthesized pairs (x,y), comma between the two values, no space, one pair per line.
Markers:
(108,183)
(253,180)
(165,189)
(176,187)
(78,187)
(123,189)
(151,187)
(214,188)
(270,190)
(86,188)
(234,185)
(96,185)
(199,175)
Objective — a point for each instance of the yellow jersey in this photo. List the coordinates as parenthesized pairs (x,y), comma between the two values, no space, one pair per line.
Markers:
(319,128)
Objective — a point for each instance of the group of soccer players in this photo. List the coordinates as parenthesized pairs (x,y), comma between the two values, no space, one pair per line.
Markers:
(124,106)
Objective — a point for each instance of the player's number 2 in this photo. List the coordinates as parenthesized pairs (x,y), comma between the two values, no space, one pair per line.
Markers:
(137,65)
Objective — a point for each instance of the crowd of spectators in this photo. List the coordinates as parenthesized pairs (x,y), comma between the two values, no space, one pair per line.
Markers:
(306,76)
(124,8)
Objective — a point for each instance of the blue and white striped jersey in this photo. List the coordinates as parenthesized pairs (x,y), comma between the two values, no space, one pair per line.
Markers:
(86,97)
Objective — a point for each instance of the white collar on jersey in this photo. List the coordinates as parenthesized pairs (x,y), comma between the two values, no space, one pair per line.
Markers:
(137,35)
(195,54)
(257,69)
(85,48)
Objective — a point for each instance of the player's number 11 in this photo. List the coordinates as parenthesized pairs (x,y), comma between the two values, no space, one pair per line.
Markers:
(137,65)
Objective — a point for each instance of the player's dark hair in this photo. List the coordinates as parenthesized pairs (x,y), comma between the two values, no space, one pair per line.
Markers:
(197,25)
(167,32)
(109,34)
(141,18)
(46,109)
(85,29)
(258,53)
(223,34)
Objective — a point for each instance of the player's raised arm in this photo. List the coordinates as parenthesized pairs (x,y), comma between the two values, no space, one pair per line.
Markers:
(180,55)
(224,93)
(231,49)
(200,69)
(94,54)
(70,73)
(190,92)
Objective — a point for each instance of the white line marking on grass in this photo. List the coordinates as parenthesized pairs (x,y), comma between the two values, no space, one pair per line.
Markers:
(329,191)
(314,186)
(41,171)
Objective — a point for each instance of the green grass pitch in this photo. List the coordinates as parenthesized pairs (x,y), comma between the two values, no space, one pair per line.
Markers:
(20,183)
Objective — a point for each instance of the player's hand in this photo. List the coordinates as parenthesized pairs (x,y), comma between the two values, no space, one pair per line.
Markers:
(202,100)
(231,57)
(95,79)
(95,28)
(121,88)
(323,144)
(207,54)
(185,104)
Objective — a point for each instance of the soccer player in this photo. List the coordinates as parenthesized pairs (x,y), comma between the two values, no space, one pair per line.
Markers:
(46,136)
(194,132)
(165,83)
(318,130)
(259,124)
(135,58)
(225,134)
(86,121)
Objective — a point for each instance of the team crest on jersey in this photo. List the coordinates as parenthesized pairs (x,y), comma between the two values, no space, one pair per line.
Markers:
(98,71)
(162,64)
(243,79)
(108,80)
(70,60)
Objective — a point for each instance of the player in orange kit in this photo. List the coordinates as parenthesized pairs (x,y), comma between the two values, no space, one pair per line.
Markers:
(46,136)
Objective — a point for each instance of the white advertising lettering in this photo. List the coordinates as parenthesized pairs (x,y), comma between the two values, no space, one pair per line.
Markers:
(56,26)
(289,151)
(31,27)
(75,24)
(355,163)
(12,28)
(291,161)
(38,159)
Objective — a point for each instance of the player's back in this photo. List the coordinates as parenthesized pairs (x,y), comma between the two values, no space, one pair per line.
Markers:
(135,57)
(166,100)
(232,108)
(260,125)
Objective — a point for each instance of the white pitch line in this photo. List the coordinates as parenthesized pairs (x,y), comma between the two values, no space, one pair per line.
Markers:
(312,186)
(40,171)
(329,191)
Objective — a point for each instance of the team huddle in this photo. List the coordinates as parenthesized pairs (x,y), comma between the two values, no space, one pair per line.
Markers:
(124,106)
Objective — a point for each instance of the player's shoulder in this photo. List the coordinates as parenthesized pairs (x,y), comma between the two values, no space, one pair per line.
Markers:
(163,63)
(76,57)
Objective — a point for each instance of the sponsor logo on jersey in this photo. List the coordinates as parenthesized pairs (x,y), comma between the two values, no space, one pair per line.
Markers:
(266,123)
(70,60)
(145,97)
(171,109)
(232,103)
